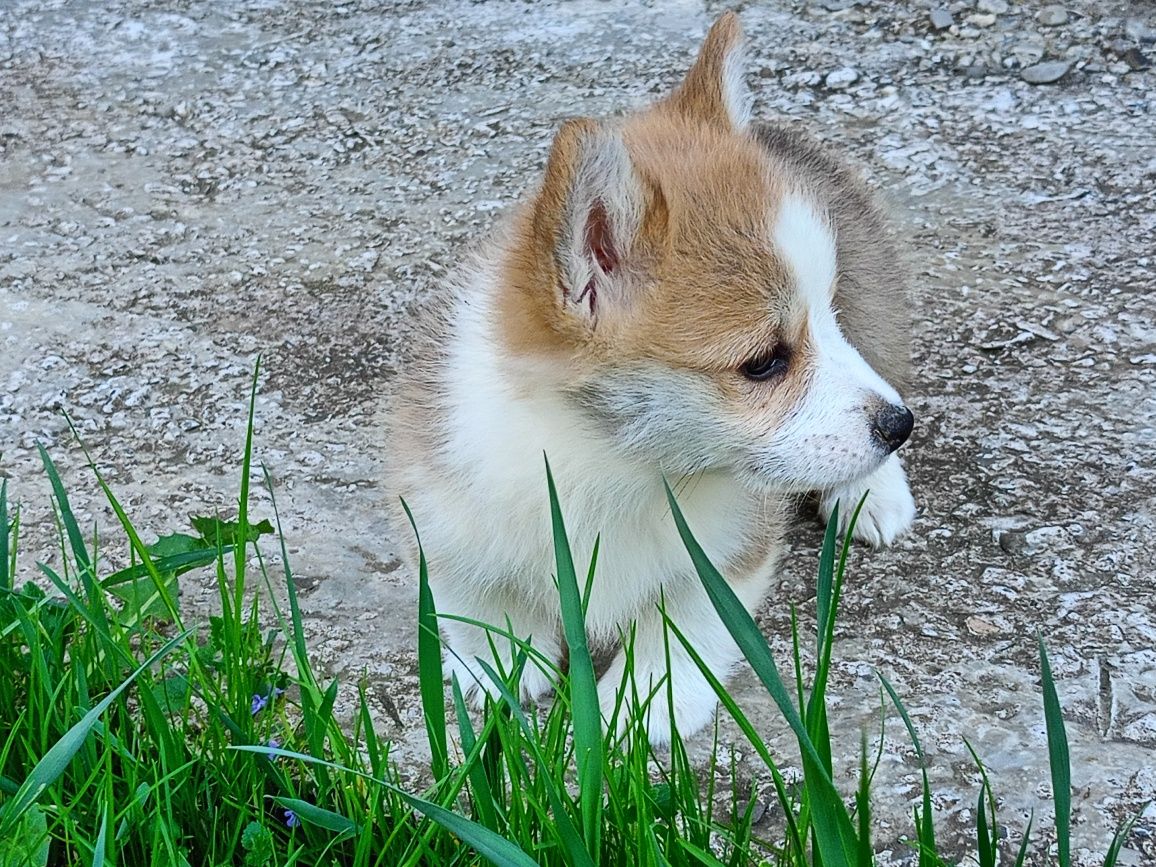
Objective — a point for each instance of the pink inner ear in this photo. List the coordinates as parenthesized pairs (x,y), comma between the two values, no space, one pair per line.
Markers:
(599,240)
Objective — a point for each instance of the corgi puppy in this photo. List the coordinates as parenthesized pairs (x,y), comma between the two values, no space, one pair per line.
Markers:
(687,296)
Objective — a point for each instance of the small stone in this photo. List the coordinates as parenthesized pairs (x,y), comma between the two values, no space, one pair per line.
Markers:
(1052,16)
(1026,53)
(842,78)
(1046,73)
(981,20)
(941,19)
(837,5)
(1013,541)
(982,628)
(1136,59)
(995,7)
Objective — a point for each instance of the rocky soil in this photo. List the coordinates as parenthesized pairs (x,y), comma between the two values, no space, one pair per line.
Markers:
(187,185)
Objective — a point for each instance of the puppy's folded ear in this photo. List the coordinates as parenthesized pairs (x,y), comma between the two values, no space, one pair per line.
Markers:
(590,214)
(714,90)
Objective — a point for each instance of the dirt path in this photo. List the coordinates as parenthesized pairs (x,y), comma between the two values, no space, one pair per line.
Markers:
(183,190)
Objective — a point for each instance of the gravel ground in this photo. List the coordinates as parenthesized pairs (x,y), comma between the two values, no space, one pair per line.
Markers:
(185,185)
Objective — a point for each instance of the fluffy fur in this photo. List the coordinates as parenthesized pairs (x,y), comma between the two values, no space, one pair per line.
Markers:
(615,323)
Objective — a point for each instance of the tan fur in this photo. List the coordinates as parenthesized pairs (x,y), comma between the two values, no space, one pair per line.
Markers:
(700,97)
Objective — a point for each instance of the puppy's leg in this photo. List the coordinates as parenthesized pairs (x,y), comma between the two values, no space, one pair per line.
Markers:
(465,643)
(690,609)
(888,511)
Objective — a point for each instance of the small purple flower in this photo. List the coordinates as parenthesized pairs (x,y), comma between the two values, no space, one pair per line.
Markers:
(291,820)
(260,702)
(272,744)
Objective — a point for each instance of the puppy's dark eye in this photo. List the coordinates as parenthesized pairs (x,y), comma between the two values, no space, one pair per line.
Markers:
(768,365)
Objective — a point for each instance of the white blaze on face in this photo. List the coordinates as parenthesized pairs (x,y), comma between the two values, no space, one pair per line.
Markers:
(827,439)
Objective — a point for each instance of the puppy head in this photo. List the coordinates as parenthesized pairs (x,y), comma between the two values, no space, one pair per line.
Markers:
(678,286)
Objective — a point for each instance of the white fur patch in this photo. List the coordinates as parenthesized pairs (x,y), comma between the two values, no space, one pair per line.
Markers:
(736,95)
(806,242)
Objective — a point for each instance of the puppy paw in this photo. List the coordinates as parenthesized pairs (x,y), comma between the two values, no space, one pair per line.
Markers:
(888,511)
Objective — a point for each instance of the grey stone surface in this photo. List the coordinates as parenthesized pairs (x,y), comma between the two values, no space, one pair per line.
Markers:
(941,18)
(186,186)
(1052,16)
(841,78)
(1046,73)
(995,7)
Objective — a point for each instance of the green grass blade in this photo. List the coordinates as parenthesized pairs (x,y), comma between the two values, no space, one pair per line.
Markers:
(701,856)
(429,663)
(75,539)
(794,838)
(243,497)
(656,856)
(829,592)
(986,836)
(300,653)
(827,602)
(1058,759)
(493,847)
(1122,832)
(476,770)
(863,809)
(56,760)
(584,704)
(173,563)
(140,550)
(925,821)
(318,816)
(5,529)
(825,581)
(983,836)
(835,834)
(1022,855)
(572,842)
(588,588)
(99,846)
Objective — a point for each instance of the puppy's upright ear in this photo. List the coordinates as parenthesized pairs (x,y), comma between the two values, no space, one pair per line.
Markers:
(714,90)
(590,216)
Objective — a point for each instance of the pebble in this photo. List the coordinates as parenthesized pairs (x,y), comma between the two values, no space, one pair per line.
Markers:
(1136,59)
(982,20)
(941,19)
(1013,541)
(842,78)
(1027,52)
(982,628)
(1046,73)
(1052,16)
(995,7)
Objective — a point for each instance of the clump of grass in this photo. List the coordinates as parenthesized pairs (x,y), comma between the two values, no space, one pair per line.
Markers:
(130,736)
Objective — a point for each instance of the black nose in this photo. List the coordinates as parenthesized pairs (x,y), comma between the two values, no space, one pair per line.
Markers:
(892,426)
